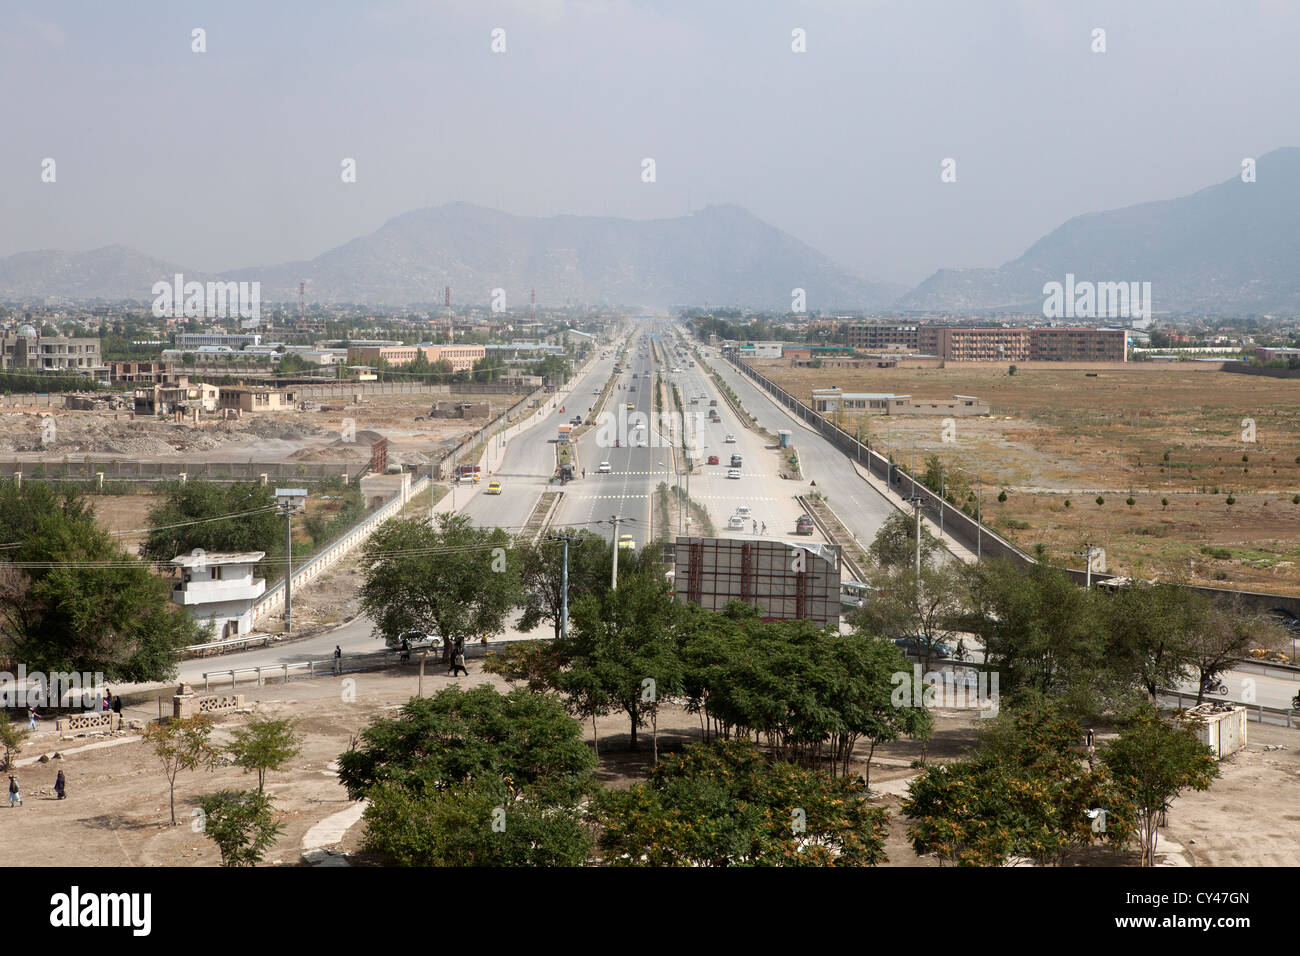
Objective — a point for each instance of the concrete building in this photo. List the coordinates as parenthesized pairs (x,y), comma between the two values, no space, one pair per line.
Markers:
(24,348)
(165,399)
(461,357)
(219,590)
(887,403)
(875,337)
(144,373)
(760,350)
(247,398)
(193,340)
(993,344)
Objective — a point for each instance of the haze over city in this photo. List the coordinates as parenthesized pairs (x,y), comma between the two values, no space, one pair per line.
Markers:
(231,158)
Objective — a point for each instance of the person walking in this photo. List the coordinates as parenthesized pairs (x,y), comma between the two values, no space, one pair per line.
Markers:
(764,527)
(31,718)
(60,785)
(458,663)
(406,649)
(755,526)
(15,793)
(338,660)
(117,705)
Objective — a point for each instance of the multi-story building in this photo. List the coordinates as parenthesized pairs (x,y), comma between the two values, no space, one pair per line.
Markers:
(1067,344)
(143,373)
(25,348)
(219,590)
(875,337)
(461,357)
(190,340)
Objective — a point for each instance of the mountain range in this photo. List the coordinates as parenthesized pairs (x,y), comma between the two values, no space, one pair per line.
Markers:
(1228,248)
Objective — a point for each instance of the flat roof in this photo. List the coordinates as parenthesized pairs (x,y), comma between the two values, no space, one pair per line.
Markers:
(218,557)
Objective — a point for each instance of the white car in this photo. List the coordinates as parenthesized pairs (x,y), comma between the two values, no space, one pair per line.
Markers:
(604,468)
(733,472)
(742,511)
(735,523)
(730,440)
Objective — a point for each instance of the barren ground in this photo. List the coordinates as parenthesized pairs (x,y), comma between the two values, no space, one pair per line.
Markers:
(117,810)
(1058,435)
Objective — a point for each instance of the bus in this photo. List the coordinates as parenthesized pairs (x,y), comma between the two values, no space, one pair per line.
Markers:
(854,594)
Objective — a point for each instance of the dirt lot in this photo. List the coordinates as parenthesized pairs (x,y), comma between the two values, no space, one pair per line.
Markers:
(311,435)
(1058,435)
(116,812)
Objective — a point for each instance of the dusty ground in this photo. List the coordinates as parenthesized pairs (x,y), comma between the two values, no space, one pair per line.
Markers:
(1057,435)
(311,435)
(117,807)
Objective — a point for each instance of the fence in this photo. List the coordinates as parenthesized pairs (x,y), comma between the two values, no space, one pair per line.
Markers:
(343,545)
(974,535)
(119,469)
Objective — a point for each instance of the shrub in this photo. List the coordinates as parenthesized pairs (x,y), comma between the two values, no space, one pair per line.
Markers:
(1100,500)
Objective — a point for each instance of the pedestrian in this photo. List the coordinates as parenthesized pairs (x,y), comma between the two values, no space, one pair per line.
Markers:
(1090,738)
(15,794)
(31,718)
(117,706)
(458,663)
(755,526)
(584,472)
(338,660)
(406,649)
(60,785)
(764,527)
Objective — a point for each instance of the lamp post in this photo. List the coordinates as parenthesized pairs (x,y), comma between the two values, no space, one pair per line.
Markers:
(289,501)
(616,520)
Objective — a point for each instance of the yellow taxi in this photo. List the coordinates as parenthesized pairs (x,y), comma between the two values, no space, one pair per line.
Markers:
(625,542)
(493,488)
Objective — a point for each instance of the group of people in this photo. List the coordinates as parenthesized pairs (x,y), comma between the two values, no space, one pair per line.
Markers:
(16,790)
(109,704)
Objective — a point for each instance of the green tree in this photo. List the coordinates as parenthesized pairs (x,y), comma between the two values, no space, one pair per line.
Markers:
(621,652)
(454,580)
(182,744)
(239,517)
(930,609)
(12,737)
(542,575)
(264,745)
(241,823)
(1152,762)
(473,824)
(525,740)
(724,804)
(895,543)
(72,600)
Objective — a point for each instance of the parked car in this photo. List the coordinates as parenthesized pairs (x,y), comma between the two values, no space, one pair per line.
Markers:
(604,468)
(910,645)
(416,639)
(713,459)
(493,488)
(733,473)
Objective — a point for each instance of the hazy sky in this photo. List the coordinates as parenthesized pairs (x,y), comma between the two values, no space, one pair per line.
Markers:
(231,158)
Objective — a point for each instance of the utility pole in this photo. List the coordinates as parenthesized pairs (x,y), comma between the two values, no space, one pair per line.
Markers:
(289,501)
(1087,554)
(915,502)
(615,520)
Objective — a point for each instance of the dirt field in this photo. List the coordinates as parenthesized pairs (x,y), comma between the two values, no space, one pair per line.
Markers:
(116,812)
(1058,435)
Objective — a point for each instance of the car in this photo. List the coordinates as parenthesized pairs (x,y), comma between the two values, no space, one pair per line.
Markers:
(735,523)
(625,542)
(736,461)
(910,645)
(493,488)
(595,391)
(713,459)
(631,388)
(695,401)
(804,525)
(575,420)
(416,639)
(742,511)
(713,403)
(630,407)
(733,472)
(729,440)
(604,468)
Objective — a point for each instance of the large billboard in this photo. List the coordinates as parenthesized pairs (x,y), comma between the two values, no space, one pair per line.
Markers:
(785,580)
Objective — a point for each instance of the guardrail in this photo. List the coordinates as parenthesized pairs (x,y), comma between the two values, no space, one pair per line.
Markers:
(221,647)
(1287,714)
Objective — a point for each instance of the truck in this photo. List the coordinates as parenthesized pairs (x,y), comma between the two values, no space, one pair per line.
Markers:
(565,431)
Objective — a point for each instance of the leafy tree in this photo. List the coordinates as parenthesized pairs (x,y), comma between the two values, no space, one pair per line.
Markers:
(1025,793)
(1219,634)
(895,543)
(523,739)
(12,737)
(72,600)
(532,662)
(929,609)
(472,824)
(1152,762)
(621,652)
(723,804)
(246,513)
(264,745)
(542,575)
(1149,626)
(241,823)
(182,744)
(454,580)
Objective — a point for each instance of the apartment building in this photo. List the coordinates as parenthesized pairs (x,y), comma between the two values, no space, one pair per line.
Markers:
(461,357)
(192,340)
(1078,345)
(25,348)
(875,338)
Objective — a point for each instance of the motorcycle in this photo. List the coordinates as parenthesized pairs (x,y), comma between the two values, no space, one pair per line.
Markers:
(1216,687)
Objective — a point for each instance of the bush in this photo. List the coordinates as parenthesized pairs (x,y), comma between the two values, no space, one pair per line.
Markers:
(1231,500)
(1100,500)
(1129,501)
(1164,502)
(1067,502)
(1002,497)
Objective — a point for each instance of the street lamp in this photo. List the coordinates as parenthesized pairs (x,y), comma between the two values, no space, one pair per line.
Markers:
(289,501)
(616,520)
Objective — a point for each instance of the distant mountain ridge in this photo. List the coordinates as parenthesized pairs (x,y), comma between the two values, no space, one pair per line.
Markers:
(721,255)
(1232,247)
